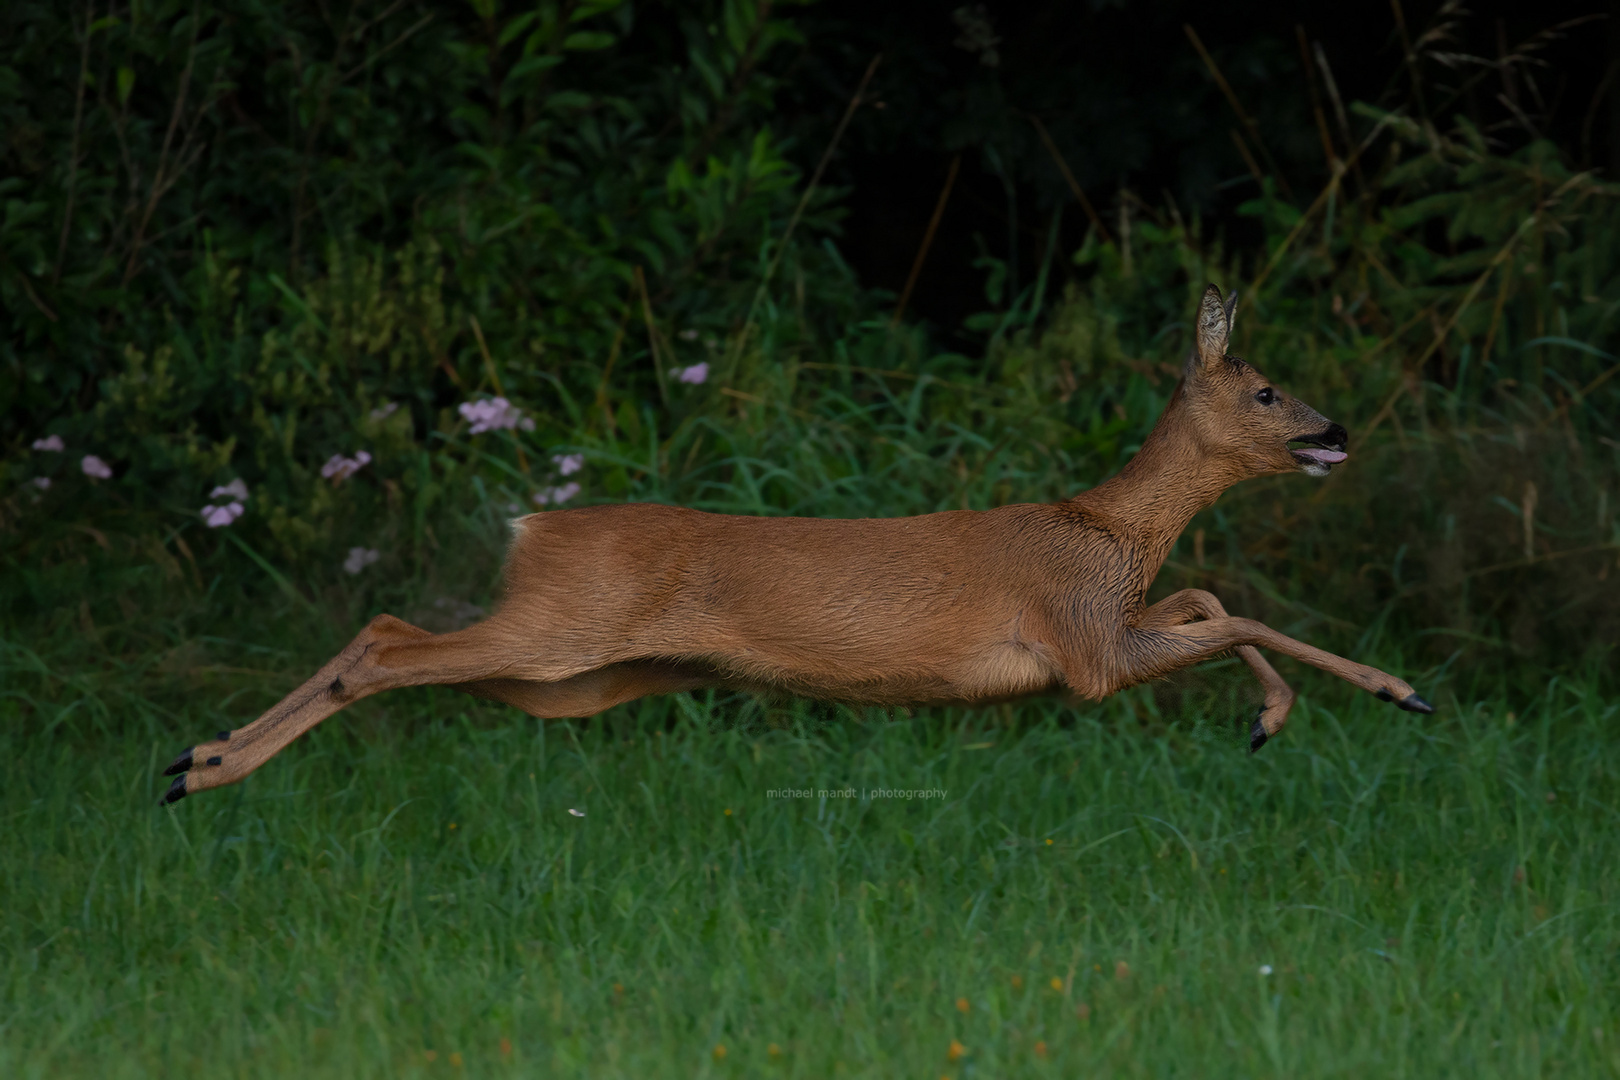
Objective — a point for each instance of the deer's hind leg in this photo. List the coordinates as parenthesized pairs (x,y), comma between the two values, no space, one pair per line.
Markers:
(388,653)
(1185,606)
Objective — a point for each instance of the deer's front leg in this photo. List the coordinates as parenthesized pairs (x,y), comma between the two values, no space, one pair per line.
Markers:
(1155,651)
(1183,607)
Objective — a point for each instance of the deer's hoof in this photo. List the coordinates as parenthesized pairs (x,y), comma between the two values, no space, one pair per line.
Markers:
(1257,735)
(181,763)
(176,792)
(1413,703)
(1383,695)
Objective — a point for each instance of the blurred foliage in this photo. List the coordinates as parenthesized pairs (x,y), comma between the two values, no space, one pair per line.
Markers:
(230,229)
(265,241)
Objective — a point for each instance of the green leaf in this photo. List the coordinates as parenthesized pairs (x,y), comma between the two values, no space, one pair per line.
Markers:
(588,39)
(126,84)
(516,27)
(593,8)
(533,65)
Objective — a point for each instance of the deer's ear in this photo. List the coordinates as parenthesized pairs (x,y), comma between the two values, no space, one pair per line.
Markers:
(1214,325)
(1231,312)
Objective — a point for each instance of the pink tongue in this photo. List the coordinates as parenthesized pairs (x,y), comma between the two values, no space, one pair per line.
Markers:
(1326,457)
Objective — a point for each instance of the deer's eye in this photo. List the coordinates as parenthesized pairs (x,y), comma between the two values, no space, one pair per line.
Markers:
(1266,396)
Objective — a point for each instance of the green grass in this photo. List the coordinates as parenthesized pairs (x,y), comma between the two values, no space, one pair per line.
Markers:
(1433,895)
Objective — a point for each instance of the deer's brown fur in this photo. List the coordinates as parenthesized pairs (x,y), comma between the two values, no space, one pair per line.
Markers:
(609,603)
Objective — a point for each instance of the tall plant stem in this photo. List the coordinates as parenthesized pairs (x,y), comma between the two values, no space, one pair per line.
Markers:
(1068,178)
(927,240)
(73,154)
(804,200)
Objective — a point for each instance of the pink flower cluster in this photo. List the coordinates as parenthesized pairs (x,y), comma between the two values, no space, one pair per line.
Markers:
(567,465)
(216,517)
(90,465)
(339,468)
(360,558)
(494,414)
(552,496)
(51,444)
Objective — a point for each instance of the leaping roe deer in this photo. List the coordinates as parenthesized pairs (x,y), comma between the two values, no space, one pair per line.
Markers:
(609,603)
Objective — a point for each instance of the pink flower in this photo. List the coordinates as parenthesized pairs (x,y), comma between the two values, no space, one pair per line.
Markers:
(494,414)
(95,467)
(339,468)
(41,482)
(360,558)
(219,516)
(553,496)
(234,490)
(568,464)
(695,374)
(53,443)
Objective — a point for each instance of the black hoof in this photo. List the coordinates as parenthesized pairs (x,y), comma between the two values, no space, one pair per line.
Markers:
(1383,695)
(181,763)
(1413,703)
(1257,736)
(176,792)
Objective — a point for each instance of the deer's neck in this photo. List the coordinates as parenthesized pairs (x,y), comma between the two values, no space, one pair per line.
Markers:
(1159,490)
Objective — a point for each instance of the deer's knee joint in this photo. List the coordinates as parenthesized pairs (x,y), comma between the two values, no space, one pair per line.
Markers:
(388,627)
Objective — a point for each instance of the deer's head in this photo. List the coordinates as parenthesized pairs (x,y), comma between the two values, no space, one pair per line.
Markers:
(1240,417)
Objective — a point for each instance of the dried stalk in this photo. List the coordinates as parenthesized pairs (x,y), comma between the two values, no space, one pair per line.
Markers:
(927,240)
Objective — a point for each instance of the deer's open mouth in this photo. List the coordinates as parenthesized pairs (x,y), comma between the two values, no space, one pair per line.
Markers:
(1317,454)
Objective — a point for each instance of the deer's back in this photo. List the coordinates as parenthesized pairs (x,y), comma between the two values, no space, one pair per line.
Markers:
(959,605)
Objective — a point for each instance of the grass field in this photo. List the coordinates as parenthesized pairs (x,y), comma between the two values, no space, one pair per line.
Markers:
(1113,890)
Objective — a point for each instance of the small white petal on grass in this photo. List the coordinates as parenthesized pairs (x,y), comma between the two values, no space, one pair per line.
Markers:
(576,813)
(51,443)
(236,489)
(695,374)
(94,466)
(385,410)
(41,482)
(1265,969)
(360,558)
(688,335)
(568,464)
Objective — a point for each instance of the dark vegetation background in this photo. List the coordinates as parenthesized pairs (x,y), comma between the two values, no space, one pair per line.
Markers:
(240,239)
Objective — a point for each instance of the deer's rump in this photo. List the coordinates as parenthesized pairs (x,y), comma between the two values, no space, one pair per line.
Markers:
(881,610)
